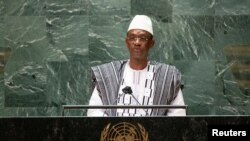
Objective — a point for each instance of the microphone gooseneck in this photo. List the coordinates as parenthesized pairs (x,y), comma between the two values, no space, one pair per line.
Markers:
(128,90)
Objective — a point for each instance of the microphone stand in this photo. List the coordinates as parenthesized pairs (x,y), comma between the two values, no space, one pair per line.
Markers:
(128,90)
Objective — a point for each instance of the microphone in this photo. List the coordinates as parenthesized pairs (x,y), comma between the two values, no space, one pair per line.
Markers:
(128,90)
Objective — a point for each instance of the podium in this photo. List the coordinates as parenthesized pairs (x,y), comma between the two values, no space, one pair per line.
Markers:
(190,128)
(63,128)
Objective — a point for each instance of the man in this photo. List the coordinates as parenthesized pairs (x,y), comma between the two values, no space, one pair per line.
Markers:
(137,81)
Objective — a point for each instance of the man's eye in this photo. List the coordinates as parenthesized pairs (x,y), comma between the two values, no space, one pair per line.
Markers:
(143,38)
(140,38)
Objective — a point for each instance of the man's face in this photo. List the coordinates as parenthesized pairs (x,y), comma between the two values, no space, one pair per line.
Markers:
(138,43)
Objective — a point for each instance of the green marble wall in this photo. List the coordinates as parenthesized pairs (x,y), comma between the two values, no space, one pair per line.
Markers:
(48,46)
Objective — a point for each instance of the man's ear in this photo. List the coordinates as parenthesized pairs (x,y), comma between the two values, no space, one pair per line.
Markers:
(126,41)
(152,43)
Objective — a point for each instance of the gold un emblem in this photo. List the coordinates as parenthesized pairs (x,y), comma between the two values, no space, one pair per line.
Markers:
(124,131)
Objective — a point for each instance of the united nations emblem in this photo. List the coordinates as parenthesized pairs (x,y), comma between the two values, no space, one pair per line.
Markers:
(124,131)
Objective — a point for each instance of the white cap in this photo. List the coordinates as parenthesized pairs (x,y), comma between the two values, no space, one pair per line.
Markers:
(141,22)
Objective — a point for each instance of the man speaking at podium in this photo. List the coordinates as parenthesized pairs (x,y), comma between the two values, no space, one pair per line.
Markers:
(137,81)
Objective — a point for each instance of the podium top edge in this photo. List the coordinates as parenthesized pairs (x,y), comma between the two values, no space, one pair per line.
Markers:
(121,106)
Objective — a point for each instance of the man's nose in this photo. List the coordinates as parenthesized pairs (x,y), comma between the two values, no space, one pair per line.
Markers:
(137,41)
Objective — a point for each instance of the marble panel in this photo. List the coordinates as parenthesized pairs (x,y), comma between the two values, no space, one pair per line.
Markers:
(25,76)
(24,7)
(30,111)
(186,38)
(74,112)
(244,110)
(107,42)
(1,8)
(201,110)
(192,37)
(1,31)
(199,83)
(229,86)
(232,7)
(1,91)
(109,7)
(4,55)
(25,87)
(232,53)
(160,9)
(26,37)
(66,7)
(231,31)
(233,96)
(23,29)
(68,34)
(232,110)
(194,7)
(223,110)
(68,82)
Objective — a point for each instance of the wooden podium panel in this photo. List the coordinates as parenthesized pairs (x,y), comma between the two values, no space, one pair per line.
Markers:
(117,128)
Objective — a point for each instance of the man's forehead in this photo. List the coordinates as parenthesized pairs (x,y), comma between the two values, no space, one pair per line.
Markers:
(138,31)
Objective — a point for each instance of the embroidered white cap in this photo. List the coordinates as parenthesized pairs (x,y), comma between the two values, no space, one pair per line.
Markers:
(141,22)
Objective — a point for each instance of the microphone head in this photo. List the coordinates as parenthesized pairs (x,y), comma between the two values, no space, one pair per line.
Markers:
(127,90)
